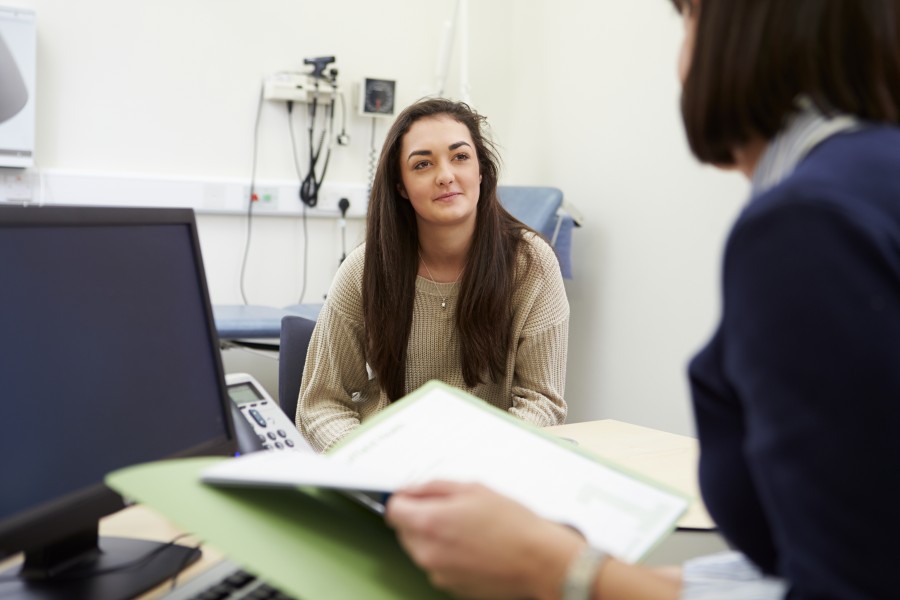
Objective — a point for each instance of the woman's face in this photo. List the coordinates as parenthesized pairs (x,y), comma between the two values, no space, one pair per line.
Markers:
(439,172)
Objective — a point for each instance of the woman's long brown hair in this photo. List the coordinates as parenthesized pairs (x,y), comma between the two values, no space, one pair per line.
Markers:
(484,311)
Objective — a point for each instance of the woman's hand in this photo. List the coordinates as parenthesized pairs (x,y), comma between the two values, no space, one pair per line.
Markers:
(476,543)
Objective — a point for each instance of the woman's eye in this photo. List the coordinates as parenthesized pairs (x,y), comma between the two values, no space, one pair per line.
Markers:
(420,165)
(461,156)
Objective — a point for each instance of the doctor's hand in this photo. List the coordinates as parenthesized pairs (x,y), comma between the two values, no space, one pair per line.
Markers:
(476,543)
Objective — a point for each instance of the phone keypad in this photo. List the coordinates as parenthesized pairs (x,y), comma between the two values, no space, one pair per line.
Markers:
(274,429)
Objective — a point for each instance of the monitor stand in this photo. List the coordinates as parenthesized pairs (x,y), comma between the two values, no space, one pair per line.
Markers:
(89,567)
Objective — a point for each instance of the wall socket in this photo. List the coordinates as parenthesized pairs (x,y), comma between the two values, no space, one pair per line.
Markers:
(285,198)
(330,196)
(16,186)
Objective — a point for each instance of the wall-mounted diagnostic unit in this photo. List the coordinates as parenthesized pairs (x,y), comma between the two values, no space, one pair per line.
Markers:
(297,87)
(377,97)
(319,84)
(317,88)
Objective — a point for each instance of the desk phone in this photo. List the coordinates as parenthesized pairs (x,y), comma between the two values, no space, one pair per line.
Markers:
(275,430)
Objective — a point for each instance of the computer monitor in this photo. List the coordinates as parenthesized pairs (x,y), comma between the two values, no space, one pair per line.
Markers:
(109,358)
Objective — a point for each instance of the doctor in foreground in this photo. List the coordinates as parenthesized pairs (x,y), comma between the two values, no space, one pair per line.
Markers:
(797,395)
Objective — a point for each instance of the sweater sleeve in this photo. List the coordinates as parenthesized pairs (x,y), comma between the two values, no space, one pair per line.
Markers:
(539,378)
(335,373)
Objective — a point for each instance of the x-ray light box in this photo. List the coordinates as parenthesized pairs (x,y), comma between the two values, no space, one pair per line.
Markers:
(18,59)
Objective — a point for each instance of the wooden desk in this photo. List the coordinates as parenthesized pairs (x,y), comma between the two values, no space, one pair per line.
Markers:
(665,457)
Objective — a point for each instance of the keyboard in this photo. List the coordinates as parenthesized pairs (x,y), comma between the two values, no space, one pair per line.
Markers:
(226,580)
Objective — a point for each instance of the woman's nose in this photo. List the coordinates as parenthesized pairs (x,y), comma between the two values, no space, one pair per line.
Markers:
(445,176)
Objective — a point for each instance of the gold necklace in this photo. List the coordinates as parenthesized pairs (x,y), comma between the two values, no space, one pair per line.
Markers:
(434,283)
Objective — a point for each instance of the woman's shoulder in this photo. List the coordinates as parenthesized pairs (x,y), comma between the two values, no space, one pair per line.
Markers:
(851,179)
(345,294)
(356,258)
(534,248)
(351,268)
(539,285)
(864,162)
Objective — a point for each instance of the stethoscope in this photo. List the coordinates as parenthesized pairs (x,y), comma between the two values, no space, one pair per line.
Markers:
(309,187)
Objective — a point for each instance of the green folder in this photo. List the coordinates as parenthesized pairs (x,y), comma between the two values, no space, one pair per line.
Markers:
(309,543)
(317,543)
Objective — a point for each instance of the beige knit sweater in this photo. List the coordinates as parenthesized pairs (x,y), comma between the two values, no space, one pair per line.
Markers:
(338,392)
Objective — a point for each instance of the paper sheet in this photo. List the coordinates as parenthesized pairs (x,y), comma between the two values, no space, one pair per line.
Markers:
(443,436)
(441,433)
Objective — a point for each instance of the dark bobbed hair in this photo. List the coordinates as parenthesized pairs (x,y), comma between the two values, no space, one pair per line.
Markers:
(484,313)
(753,58)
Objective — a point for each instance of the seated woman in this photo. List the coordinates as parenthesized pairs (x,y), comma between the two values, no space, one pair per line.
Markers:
(447,286)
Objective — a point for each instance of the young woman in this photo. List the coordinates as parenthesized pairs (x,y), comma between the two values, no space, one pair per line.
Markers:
(448,286)
(796,395)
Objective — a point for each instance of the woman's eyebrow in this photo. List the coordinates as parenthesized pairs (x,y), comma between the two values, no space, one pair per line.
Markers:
(418,153)
(452,146)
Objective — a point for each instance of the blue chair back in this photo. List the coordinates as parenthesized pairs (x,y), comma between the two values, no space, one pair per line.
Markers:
(294,342)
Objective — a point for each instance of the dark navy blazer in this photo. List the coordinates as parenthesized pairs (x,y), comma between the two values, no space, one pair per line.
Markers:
(797,395)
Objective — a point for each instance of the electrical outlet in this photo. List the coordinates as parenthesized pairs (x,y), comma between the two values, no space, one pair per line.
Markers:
(356,193)
(15,186)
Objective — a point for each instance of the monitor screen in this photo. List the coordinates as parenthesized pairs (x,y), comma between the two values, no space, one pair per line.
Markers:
(110,358)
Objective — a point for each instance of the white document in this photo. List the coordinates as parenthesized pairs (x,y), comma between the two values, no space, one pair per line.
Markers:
(290,469)
(442,433)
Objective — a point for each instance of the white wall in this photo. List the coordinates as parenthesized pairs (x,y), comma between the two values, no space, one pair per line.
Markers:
(581,94)
(595,104)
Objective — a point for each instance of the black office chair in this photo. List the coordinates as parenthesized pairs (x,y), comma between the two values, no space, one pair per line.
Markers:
(295,335)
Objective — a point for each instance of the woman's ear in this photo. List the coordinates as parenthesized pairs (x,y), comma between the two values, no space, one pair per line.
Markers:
(402,191)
